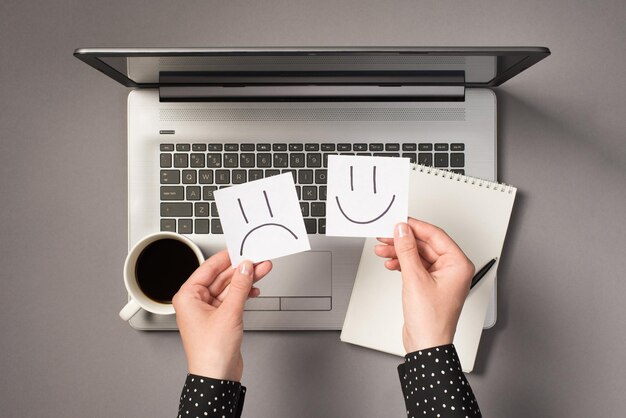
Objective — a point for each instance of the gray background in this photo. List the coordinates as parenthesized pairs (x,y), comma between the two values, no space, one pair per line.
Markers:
(557,349)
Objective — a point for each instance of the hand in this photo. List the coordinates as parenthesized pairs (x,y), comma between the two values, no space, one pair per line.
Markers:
(209,313)
(436,277)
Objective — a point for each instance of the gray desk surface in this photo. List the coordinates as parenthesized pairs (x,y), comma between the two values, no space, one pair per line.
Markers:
(557,349)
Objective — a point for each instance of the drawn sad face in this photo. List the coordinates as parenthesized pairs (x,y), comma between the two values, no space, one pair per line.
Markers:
(367,196)
(262,219)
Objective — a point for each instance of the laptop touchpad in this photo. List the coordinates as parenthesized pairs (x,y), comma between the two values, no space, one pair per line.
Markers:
(307,274)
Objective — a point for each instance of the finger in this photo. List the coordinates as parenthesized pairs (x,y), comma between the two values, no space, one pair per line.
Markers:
(388,241)
(392,264)
(224,278)
(239,287)
(262,269)
(426,252)
(407,252)
(436,237)
(210,269)
(254,292)
(385,251)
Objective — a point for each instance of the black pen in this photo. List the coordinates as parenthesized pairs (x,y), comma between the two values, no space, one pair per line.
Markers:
(482,272)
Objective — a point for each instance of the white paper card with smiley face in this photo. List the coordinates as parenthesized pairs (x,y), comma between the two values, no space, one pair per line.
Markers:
(367,196)
(262,219)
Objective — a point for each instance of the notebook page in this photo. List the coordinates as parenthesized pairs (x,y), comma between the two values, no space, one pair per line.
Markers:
(475,213)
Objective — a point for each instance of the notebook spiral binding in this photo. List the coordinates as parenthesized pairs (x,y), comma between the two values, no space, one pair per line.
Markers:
(505,188)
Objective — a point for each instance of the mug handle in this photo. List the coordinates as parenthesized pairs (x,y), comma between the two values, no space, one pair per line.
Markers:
(128,311)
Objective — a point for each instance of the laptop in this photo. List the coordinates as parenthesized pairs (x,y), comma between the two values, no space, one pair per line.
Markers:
(200,119)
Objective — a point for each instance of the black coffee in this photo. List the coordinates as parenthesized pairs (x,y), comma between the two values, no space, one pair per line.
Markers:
(162,268)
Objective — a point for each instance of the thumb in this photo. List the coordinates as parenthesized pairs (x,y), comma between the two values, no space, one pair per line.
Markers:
(406,250)
(240,286)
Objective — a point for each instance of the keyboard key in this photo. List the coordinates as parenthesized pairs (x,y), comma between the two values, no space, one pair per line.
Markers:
(364,154)
(294,173)
(197,160)
(411,155)
(322,192)
(386,154)
(167,147)
(305,176)
(425,158)
(321,225)
(205,176)
(441,159)
(201,226)
(255,175)
(281,160)
(309,193)
(310,225)
(231,147)
(296,160)
(215,147)
(458,171)
(181,160)
(248,147)
(201,209)
(214,160)
(207,192)
(457,147)
(311,147)
(270,173)
(183,147)
(376,147)
(346,153)
(168,225)
(216,226)
(359,147)
(314,160)
(172,193)
(246,160)
(166,160)
(175,209)
(185,226)
(409,147)
(325,157)
(304,208)
(232,160)
(170,176)
(318,209)
(441,147)
(344,147)
(222,176)
(189,176)
(328,147)
(263,147)
(320,176)
(193,192)
(198,147)
(263,160)
(214,212)
(240,176)
(279,147)
(296,147)
(425,147)
(457,159)
(392,147)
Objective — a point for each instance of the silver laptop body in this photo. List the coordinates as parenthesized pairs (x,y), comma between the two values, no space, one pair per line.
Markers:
(257,102)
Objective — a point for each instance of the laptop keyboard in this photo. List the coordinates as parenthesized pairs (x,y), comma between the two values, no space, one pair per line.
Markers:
(191,172)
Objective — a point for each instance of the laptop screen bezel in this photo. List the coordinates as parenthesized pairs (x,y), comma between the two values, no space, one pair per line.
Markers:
(532,55)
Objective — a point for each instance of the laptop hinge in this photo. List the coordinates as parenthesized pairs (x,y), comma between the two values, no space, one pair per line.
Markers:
(312,86)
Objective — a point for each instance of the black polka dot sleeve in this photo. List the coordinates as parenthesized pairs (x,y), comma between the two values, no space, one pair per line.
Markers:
(206,397)
(434,385)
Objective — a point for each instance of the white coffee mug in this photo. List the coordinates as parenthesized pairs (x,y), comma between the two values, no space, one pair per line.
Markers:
(138,300)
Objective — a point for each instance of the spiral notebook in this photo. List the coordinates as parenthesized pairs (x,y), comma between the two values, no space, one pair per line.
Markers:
(475,213)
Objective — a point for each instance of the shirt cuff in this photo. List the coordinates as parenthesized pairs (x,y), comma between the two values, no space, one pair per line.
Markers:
(207,397)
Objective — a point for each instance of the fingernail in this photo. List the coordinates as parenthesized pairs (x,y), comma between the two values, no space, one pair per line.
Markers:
(245,268)
(402,230)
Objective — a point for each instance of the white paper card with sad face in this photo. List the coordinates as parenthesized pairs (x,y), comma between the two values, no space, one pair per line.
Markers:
(367,196)
(262,219)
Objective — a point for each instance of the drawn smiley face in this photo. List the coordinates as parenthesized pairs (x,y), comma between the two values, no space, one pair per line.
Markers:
(263,225)
(374,190)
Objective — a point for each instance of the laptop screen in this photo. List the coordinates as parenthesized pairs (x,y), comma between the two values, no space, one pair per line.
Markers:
(472,67)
